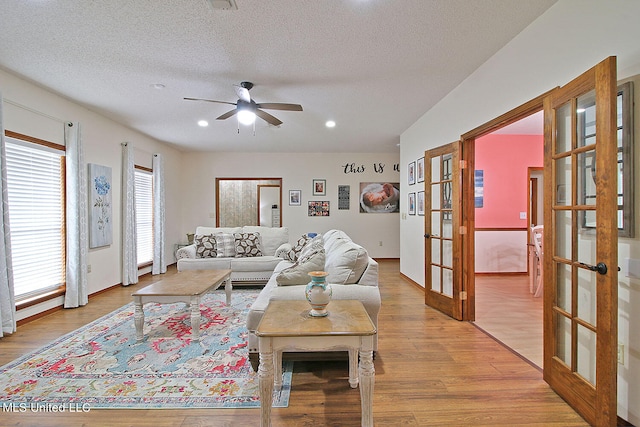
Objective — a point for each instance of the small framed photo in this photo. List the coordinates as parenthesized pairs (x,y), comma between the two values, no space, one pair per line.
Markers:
(420,202)
(295,197)
(412,203)
(411,172)
(420,169)
(318,208)
(344,192)
(319,187)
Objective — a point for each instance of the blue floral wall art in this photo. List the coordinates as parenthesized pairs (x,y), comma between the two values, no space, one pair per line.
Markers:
(100,216)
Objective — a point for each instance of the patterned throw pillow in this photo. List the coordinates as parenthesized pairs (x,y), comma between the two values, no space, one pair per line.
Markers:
(225,245)
(247,244)
(293,254)
(205,246)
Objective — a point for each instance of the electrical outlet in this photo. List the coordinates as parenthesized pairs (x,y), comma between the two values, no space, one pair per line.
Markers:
(621,354)
(88,268)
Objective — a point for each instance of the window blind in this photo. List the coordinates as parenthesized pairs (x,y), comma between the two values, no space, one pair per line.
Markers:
(36,217)
(144,215)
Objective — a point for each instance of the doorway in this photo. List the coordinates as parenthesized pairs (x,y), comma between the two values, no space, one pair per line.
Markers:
(510,160)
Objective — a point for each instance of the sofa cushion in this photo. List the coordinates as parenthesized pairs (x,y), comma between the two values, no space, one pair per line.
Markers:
(298,273)
(247,244)
(205,246)
(270,237)
(260,263)
(345,261)
(225,245)
(296,248)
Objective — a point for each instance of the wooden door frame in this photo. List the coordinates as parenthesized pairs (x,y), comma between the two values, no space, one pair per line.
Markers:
(467,157)
(260,187)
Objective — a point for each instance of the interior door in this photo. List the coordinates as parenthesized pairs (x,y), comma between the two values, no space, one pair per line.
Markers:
(442,208)
(580,254)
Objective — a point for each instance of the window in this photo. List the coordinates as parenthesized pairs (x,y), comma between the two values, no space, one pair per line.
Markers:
(144,215)
(35,187)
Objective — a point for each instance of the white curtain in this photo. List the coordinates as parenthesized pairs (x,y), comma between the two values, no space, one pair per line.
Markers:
(129,236)
(159,263)
(77,223)
(7,297)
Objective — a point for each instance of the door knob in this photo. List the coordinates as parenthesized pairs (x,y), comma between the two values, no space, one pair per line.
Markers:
(427,236)
(601,267)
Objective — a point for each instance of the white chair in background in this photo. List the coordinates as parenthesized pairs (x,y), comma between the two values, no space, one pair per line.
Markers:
(537,242)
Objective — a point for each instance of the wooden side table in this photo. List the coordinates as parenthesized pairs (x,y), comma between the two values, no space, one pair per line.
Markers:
(287,326)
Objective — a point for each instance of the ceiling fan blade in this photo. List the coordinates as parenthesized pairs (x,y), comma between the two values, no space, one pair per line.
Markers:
(209,100)
(268,118)
(228,114)
(280,106)
(243,93)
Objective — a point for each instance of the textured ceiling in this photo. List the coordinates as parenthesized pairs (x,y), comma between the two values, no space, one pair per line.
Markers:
(373,66)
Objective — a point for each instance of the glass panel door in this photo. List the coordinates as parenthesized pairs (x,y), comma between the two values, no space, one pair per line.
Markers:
(442,237)
(580,259)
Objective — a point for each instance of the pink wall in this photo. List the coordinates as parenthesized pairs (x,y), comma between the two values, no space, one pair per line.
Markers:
(505,160)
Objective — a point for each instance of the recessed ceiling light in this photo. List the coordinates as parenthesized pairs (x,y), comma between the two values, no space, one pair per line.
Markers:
(203,123)
(157,86)
(330,124)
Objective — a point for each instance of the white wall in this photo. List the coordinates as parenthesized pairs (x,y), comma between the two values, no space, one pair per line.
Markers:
(571,37)
(297,172)
(34,111)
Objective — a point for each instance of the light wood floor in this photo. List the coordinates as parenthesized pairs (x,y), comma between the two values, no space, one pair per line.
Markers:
(430,371)
(509,312)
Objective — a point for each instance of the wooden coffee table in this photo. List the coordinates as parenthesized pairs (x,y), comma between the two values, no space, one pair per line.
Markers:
(186,286)
(287,326)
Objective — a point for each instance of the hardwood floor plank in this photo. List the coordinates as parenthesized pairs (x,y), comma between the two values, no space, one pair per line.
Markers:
(430,371)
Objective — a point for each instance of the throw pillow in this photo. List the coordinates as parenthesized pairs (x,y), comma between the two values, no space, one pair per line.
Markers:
(312,246)
(294,252)
(225,245)
(247,244)
(205,246)
(298,273)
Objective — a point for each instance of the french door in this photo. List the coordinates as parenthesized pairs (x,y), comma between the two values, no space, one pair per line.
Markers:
(580,254)
(443,284)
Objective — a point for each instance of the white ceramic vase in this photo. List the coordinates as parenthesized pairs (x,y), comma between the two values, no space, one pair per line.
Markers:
(318,293)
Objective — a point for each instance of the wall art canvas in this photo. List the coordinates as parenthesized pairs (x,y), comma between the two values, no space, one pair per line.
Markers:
(379,197)
(100,216)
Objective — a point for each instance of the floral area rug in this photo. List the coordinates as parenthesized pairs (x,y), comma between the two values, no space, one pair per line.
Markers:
(102,366)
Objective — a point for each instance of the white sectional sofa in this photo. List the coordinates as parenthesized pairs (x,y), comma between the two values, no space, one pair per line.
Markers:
(249,269)
(353,274)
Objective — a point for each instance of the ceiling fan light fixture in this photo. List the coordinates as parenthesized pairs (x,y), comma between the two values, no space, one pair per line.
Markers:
(246,117)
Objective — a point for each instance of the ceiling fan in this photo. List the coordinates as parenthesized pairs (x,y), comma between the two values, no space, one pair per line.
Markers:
(247,109)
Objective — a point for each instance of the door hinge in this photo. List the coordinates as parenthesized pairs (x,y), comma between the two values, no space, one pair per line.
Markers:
(463,229)
(463,164)
(463,295)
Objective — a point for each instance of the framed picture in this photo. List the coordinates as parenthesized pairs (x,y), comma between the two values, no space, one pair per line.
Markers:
(379,197)
(412,203)
(412,173)
(344,192)
(319,187)
(100,218)
(420,202)
(318,208)
(420,169)
(295,197)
